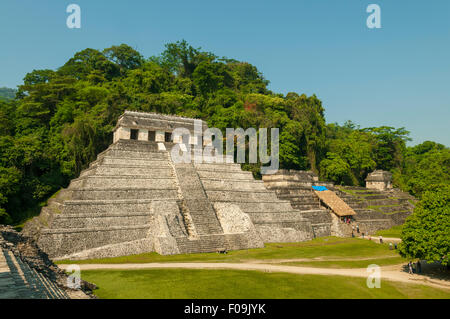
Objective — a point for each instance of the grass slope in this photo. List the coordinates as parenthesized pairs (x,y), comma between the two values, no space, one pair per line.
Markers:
(393,232)
(231,284)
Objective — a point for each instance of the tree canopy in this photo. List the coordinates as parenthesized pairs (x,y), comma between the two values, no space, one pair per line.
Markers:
(59,120)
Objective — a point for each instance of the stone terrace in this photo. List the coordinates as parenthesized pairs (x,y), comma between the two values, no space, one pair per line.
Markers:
(136,198)
(27,273)
(20,281)
(377,209)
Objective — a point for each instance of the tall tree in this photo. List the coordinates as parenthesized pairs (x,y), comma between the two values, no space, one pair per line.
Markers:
(124,56)
(425,234)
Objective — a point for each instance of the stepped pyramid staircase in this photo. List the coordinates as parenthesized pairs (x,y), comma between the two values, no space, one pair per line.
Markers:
(295,187)
(19,281)
(275,220)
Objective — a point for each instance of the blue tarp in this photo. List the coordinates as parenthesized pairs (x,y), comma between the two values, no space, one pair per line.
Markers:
(320,188)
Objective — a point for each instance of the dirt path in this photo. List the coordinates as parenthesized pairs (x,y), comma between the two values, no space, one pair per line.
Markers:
(280,261)
(392,273)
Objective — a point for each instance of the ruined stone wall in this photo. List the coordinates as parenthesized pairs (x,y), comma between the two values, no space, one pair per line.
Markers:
(27,273)
(377,209)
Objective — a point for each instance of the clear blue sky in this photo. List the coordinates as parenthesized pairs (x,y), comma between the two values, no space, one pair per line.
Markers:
(398,75)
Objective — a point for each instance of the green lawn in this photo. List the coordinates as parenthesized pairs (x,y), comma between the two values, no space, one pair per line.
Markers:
(228,284)
(350,263)
(327,247)
(393,232)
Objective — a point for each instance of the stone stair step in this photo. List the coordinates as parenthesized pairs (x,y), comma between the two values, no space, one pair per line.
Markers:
(279,217)
(199,207)
(306,196)
(93,229)
(118,170)
(104,214)
(70,221)
(130,161)
(66,241)
(125,193)
(33,284)
(119,182)
(383,202)
(293,185)
(212,174)
(218,167)
(374,197)
(274,206)
(146,146)
(134,154)
(304,201)
(96,207)
(239,195)
(305,207)
(220,184)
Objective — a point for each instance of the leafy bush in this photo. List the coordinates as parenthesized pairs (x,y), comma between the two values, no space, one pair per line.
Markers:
(425,234)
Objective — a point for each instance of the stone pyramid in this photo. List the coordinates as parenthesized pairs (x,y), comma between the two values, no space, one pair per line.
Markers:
(135,198)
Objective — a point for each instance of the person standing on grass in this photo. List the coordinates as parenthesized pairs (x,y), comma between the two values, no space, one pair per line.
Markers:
(357,229)
(381,239)
(410,269)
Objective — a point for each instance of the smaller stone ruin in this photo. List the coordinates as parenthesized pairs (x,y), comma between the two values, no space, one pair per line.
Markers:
(371,209)
(380,180)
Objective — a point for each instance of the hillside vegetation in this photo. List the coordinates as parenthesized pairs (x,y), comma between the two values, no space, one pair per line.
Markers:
(61,119)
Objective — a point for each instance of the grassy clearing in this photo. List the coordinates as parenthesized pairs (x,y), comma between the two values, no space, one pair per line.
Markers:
(393,232)
(327,247)
(230,284)
(349,263)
